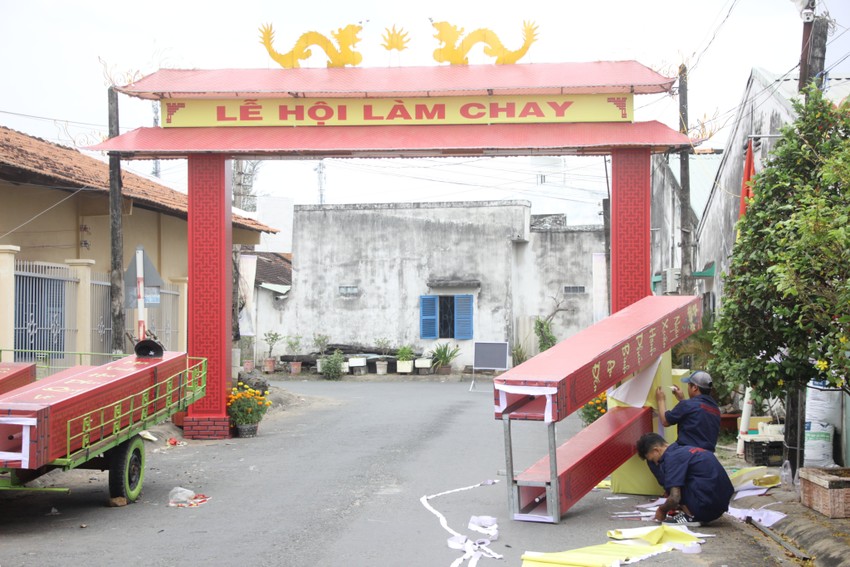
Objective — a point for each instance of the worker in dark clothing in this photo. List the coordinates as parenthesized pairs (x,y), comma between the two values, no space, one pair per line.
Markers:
(697,417)
(698,487)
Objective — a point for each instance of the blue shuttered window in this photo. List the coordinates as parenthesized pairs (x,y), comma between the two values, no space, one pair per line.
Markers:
(428,316)
(445,317)
(463,317)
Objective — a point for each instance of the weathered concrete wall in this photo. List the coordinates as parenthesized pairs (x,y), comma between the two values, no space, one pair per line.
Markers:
(359,270)
(760,113)
(665,215)
(552,260)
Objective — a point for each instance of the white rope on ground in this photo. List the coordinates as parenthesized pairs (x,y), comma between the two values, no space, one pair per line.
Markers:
(473,550)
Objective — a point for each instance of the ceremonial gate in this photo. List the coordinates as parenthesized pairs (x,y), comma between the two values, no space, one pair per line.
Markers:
(211,116)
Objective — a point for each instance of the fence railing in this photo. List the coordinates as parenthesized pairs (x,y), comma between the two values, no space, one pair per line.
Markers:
(45,307)
(47,320)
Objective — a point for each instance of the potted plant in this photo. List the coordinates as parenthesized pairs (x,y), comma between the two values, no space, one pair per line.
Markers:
(383,346)
(333,365)
(321,343)
(246,408)
(442,356)
(271,338)
(404,359)
(357,363)
(293,347)
(423,364)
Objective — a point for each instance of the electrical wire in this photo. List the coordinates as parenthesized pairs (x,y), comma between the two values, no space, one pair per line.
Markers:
(714,35)
(56,204)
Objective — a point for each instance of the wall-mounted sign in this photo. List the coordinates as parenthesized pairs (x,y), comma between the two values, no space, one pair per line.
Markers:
(502,109)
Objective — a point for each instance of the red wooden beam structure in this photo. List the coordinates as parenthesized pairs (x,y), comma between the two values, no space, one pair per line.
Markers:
(558,381)
(15,374)
(40,422)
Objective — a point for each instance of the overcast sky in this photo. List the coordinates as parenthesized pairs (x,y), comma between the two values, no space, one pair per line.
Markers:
(58,58)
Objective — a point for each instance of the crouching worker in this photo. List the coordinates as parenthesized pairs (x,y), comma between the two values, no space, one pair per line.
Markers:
(698,488)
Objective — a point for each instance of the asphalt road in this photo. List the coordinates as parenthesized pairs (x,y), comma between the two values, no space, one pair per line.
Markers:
(333,480)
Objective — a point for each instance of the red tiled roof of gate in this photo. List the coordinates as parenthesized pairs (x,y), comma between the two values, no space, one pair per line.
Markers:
(26,159)
(435,80)
(398,141)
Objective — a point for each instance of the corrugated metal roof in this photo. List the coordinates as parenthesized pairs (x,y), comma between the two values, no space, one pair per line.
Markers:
(396,141)
(836,89)
(444,80)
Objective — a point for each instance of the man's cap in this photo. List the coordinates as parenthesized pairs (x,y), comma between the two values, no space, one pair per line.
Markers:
(700,379)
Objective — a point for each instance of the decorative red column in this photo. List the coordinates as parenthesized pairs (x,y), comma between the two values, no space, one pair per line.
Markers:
(630,236)
(210,285)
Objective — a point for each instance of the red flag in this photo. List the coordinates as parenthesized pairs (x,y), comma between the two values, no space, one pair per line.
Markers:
(749,172)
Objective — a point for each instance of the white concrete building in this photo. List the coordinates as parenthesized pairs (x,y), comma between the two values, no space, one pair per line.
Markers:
(423,273)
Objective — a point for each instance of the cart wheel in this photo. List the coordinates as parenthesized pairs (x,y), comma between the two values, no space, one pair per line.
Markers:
(127,469)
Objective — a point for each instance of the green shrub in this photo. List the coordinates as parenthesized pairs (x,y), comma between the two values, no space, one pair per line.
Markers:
(545,338)
(443,354)
(332,365)
(518,355)
(404,353)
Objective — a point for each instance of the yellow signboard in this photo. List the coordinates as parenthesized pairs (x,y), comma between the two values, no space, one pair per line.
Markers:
(185,113)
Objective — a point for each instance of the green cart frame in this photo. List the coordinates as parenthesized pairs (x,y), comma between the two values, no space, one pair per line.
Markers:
(121,451)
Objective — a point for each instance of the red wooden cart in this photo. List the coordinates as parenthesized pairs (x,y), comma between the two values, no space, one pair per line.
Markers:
(90,416)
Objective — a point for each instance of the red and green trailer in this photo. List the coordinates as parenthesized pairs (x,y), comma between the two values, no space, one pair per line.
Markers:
(90,417)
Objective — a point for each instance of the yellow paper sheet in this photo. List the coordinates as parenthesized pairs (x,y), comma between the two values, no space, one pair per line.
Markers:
(655,534)
(603,555)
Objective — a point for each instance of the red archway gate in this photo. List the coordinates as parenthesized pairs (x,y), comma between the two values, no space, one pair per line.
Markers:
(210,116)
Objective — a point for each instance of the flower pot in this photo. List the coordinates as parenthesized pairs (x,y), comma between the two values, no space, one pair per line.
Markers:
(356,361)
(404,366)
(423,366)
(445,369)
(248,365)
(295,367)
(246,429)
(319,365)
(381,366)
(268,365)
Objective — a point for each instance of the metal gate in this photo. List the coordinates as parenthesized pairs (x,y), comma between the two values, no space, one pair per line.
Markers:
(101,316)
(45,312)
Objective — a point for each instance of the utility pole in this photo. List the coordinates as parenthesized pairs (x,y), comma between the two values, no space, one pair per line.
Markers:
(686,281)
(155,107)
(812,57)
(320,170)
(239,190)
(117,233)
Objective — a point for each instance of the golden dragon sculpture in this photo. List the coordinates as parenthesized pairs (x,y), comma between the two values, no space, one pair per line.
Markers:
(346,37)
(454,48)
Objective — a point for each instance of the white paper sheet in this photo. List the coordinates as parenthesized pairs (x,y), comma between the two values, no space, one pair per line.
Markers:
(764,517)
(635,392)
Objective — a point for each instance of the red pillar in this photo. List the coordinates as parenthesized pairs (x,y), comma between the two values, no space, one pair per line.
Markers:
(630,236)
(210,285)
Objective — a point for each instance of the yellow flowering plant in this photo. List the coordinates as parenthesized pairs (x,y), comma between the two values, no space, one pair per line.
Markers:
(246,405)
(593,410)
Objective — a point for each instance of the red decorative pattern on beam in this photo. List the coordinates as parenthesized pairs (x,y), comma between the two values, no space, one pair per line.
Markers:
(16,374)
(558,381)
(630,241)
(210,283)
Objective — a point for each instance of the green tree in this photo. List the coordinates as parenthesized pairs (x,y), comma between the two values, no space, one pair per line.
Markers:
(545,337)
(785,313)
